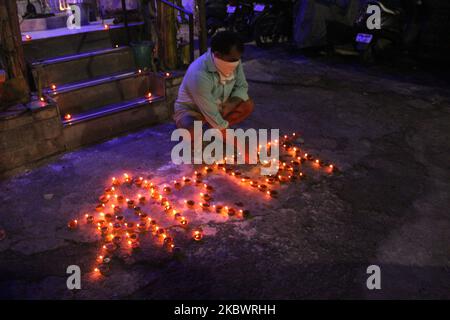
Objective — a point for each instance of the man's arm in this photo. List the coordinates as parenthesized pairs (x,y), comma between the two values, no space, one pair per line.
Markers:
(200,87)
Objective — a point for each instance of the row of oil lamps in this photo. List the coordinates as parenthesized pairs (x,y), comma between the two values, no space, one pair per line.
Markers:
(115,230)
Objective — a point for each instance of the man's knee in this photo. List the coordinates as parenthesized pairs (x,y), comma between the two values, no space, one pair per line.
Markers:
(248,106)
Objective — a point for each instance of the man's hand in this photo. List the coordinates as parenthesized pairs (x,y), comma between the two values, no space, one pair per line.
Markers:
(229,105)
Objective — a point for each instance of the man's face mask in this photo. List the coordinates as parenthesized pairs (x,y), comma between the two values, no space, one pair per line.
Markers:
(225,67)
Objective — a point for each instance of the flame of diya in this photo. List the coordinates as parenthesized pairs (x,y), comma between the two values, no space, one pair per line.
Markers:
(198,235)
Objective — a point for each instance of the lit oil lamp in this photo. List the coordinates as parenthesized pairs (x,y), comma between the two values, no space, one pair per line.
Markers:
(110,190)
(153,225)
(245,179)
(73,224)
(138,181)
(133,236)
(218,208)
(137,211)
(270,180)
(167,190)
(198,181)
(205,206)
(143,217)
(208,188)
(110,247)
(208,169)
(142,227)
(186,181)
(198,174)
(89,218)
(262,187)
(205,196)
(183,221)
(283,179)
(109,217)
(100,207)
(115,181)
(117,227)
(104,198)
(117,240)
(177,185)
(117,210)
(254,183)
(104,230)
(120,219)
(190,204)
(120,199)
(142,199)
(197,234)
(231,211)
(130,227)
(130,203)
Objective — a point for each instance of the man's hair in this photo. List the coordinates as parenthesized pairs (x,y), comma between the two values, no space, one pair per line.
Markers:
(224,41)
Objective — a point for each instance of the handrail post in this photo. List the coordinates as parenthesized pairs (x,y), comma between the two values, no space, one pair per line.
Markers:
(191,38)
(125,20)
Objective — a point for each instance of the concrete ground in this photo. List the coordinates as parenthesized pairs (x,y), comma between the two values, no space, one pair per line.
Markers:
(388,132)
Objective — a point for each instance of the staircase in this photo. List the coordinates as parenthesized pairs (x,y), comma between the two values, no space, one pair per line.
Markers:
(93,79)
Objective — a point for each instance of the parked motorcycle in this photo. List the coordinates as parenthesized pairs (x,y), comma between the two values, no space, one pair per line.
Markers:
(398,30)
(273,24)
(216,15)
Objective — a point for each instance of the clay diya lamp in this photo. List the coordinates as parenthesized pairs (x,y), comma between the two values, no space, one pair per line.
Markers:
(110,190)
(100,207)
(231,212)
(254,184)
(167,190)
(153,225)
(110,247)
(168,242)
(197,174)
(89,218)
(117,227)
(237,174)
(161,232)
(120,219)
(177,185)
(72,224)
(139,181)
(186,181)
(262,188)
(155,194)
(177,216)
(270,180)
(133,237)
(197,234)
(205,196)
(104,198)
(183,221)
(218,208)
(143,217)
(117,210)
(137,210)
(198,181)
(130,204)
(245,179)
(190,204)
(229,171)
(283,179)
(142,199)
(115,182)
(117,240)
(134,244)
(109,217)
(208,188)
(205,206)
(208,169)
(130,227)
(120,199)
(142,227)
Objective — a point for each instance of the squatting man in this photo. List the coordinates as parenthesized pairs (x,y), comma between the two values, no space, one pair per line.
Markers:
(214,93)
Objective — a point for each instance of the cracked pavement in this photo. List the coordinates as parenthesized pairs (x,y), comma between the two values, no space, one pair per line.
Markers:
(388,206)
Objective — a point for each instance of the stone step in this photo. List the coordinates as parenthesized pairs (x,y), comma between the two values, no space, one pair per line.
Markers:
(84,66)
(88,95)
(109,121)
(63,42)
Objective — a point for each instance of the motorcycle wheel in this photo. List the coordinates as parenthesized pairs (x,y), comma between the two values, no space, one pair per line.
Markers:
(265,31)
